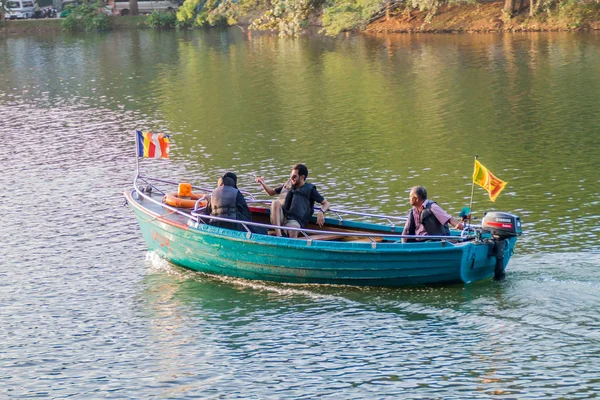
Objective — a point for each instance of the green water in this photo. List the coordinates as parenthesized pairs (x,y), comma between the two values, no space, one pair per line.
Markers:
(86,313)
(369,115)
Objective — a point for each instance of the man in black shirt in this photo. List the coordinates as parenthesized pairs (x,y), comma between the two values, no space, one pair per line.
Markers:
(226,201)
(297,208)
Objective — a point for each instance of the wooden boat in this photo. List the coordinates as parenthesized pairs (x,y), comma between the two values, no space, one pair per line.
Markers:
(351,248)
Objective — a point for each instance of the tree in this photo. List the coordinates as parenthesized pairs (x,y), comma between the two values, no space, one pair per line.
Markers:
(509,7)
(133,7)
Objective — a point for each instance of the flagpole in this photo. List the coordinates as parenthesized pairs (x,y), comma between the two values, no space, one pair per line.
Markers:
(472,191)
(137,157)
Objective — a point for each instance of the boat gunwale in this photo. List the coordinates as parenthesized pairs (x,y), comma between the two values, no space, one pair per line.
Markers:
(253,199)
(227,233)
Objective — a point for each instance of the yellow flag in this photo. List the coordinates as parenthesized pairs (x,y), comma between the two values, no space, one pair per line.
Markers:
(487,180)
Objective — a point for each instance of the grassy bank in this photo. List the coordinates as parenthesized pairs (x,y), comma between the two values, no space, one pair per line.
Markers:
(54,24)
(31,25)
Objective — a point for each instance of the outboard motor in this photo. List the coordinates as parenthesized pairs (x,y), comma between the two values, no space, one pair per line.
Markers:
(502,226)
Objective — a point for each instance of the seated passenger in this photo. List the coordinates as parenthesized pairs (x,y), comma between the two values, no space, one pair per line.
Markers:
(243,212)
(298,207)
(226,201)
(281,191)
(426,217)
(222,203)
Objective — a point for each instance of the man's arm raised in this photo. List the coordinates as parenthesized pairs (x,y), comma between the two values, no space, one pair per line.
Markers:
(270,191)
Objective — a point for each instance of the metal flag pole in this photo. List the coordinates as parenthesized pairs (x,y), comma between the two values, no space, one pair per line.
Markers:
(137,157)
(472,191)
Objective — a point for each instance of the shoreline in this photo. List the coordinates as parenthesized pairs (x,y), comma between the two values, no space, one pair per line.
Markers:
(469,18)
(482,18)
(15,27)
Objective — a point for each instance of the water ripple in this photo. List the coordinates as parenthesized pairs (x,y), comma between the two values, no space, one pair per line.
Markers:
(86,312)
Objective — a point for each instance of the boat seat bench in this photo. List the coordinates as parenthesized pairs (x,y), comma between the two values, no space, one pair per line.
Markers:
(330,236)
(323,236)
(333,236)
(364,239)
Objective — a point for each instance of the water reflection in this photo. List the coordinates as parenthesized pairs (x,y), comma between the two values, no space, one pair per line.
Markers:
(358,111)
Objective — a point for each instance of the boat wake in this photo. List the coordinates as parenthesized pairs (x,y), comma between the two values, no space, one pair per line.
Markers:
(157,264)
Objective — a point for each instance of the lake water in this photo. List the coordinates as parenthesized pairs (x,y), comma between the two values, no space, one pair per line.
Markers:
(87,312)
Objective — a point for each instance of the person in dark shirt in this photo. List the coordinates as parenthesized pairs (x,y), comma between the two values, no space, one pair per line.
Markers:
(276,205)
(243,212)
(297,207)
(226,201)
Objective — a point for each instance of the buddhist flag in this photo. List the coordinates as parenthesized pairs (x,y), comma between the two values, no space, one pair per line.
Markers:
(152,145)
(487,180)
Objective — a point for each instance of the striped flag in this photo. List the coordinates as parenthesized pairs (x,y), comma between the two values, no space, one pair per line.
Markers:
(152,145)
(484,178)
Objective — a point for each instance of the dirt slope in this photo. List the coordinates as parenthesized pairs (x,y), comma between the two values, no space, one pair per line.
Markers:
(484,17)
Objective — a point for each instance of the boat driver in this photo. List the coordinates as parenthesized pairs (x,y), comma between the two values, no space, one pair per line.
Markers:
(297,208)
(426,217)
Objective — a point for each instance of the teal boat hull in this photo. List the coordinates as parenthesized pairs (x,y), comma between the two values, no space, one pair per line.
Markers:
(213,250)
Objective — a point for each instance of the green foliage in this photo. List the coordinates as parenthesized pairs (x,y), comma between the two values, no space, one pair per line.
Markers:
(348,15)
(86,17)
(250,6)
(573,13)
(288,17)
(162,20)
(226,13)
(187,13)
(197,13)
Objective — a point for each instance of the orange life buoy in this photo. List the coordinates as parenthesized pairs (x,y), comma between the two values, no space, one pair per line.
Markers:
(174,200)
